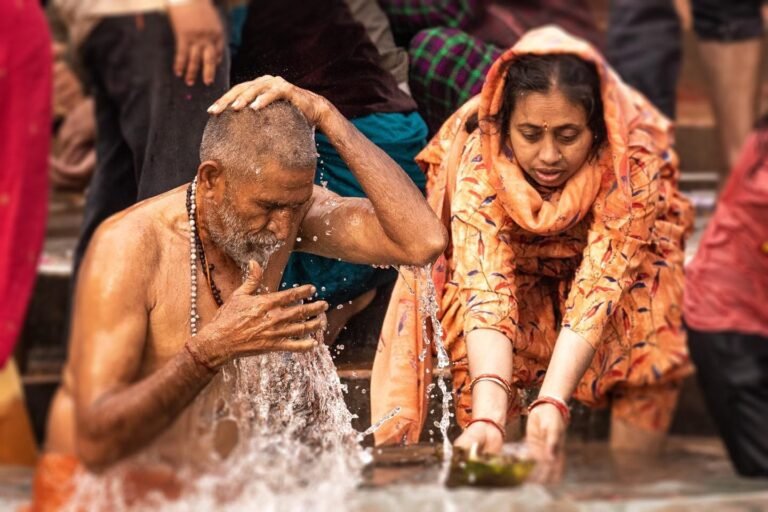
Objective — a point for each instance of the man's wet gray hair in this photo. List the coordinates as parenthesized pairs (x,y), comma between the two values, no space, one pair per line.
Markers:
(242,141)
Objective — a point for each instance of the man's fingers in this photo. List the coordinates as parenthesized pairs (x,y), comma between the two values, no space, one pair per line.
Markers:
(182,54)
(252,280)
(209,64)
(298,330)
(301,311)
(251,92)
(222,103)
(193,65)
(302,345)
(244,94)
(267,97)
(289,297)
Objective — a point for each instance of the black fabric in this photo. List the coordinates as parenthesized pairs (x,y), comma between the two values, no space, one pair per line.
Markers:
(149,122)
(727,20)
(643,44)
(732,369)
(317,45)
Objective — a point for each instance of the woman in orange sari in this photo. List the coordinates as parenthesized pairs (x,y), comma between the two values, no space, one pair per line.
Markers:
(559,188)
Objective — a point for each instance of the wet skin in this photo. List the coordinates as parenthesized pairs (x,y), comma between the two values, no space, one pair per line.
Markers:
(133,366)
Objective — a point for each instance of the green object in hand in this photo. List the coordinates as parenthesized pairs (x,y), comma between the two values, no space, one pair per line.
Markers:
(469,468)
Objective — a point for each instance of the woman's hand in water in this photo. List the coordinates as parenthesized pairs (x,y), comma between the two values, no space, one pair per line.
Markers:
(249,324)
(264,90)
(545,438)
(486,437)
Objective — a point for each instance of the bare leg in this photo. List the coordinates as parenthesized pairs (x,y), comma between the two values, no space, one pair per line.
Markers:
(640,418)
(630,439)
(734,70)
(338,317)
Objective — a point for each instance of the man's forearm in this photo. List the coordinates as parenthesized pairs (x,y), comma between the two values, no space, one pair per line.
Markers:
(126,420)
(400,207)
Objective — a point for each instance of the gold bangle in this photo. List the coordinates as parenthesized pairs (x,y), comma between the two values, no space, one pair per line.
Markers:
(492,378)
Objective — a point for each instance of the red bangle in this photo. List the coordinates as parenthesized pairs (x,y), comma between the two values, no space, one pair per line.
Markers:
(197,360)
(561,406)
(490,422)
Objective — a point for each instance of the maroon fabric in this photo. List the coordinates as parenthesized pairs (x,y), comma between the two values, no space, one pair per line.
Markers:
(318,46)
(727,282)
(25,124)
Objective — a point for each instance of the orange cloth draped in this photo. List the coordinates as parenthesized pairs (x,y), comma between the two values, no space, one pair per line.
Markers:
(55,484)
(602,255)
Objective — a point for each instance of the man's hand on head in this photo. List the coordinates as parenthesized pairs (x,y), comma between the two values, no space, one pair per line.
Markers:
(264,90)
(199,39)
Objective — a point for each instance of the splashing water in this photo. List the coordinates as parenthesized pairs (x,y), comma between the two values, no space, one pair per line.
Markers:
(376,426)
(429,310)
(271,431)
(293,443)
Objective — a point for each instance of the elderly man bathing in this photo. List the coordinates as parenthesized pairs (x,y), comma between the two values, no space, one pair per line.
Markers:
(139,353)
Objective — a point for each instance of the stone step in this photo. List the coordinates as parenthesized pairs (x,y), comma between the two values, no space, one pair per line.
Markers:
(691,419)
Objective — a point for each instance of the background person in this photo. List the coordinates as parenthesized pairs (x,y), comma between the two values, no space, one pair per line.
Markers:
(726,309)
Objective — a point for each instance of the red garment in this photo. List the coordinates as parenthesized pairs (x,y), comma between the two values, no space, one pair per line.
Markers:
(25,126)
(727,282)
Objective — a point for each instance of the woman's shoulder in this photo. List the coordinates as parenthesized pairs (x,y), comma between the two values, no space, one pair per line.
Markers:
(452,132)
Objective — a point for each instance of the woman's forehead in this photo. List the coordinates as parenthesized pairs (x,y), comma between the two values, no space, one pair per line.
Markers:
(552,109)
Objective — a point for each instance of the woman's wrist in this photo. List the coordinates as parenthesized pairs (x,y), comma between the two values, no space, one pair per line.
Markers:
(552,401)
(490,401)
(494,425)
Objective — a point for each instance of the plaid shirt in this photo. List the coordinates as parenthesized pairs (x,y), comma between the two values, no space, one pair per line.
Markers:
(448,67)
(448,64)
(410,16)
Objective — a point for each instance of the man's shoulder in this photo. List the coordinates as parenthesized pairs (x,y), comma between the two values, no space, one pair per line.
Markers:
(137,231)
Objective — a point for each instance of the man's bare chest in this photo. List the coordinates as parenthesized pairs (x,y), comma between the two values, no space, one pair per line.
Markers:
(170,301)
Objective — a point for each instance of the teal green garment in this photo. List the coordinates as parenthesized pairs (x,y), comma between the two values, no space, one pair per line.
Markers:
(401,136)
(236,17)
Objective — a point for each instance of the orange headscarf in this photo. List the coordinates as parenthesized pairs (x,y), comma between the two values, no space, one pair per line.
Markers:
(400,376)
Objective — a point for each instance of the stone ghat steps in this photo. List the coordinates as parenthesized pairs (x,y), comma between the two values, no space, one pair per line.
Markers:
(353,355)
(691,418)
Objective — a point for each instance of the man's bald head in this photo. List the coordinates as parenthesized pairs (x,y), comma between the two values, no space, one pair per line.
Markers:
(241,142)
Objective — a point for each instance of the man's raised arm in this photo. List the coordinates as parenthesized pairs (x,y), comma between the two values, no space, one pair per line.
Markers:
(394,225)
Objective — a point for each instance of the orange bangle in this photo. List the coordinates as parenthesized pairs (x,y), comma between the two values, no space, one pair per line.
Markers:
(490,422)
(559,404)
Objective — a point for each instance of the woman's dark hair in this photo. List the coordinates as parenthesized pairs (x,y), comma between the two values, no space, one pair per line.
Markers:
(576,78)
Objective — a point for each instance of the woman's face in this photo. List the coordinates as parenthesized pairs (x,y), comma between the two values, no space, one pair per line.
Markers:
(549,136)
